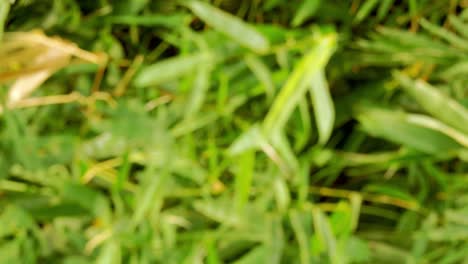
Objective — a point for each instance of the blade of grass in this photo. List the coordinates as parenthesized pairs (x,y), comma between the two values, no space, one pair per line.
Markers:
(304,134)
(384,8)
(302,236)
(325,235)
(459,25)
(110,254)
(263,74)
(365,10)
(243,180)
(436,103)
(297,84)
(258,254)
(254,139)
(241,32)
(305,11)
(151,196)
(323,106)
(200,89)
(89,199)
(443,33)
(4,10)
(394,126)
(282,195)
(170,69)
(413,7)
(150,20)
(282,145)
(431,123)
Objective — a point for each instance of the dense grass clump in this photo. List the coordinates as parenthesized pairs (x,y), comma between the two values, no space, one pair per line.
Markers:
(250,131)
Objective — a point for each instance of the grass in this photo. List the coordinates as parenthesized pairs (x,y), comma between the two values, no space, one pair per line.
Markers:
(263,131)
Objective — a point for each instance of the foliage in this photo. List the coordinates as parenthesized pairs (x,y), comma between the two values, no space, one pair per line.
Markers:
(253,131)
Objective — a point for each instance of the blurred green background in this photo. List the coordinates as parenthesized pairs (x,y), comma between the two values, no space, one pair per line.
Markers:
(249,131)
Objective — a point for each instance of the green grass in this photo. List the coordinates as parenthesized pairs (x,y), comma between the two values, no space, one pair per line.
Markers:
(253,131)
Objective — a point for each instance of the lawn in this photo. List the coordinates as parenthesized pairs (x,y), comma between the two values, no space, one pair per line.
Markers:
(223,131)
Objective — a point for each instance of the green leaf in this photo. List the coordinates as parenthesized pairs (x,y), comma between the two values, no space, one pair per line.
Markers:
(258,254)
(323,106)
(443,33)
(87,198)
(243,180)
(129,6)
(341,219)
(151,194)
(123,173)
(459,25)
(200,89)
(10,252)
(171,69)
(386,253)
(325,236)
(305,11)
(455,71)
(434,124)
(396,127)
(4,10)
(300,223)
(386,189)
(358,250)
(384,8)
(436,103)
(296,85)
(356,204)
(110,253)
(281,144)
(262,73)
(149,20)
(13,219)
(252,139)
(365,10)
(275,240)
(194,123)
(448,233)
(219,210)
(241,32)
(282,195)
